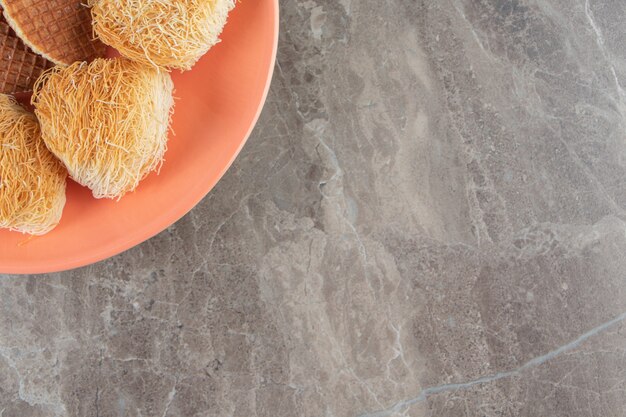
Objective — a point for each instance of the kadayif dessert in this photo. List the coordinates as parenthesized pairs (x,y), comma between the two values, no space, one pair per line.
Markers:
(107,121)
(167,34)
(32,180)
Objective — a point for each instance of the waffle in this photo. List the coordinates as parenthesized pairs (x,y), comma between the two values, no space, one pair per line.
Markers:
(19,65)
(58,30)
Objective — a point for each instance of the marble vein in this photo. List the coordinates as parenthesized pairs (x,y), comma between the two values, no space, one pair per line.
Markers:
(601,44)
(427,392)
(433,191)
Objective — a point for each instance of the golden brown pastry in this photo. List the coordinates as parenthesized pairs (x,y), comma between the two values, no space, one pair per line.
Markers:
(32,180)
(106,121)
(167,34)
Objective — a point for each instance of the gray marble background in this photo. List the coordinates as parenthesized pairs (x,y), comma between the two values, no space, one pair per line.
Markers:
(429,220)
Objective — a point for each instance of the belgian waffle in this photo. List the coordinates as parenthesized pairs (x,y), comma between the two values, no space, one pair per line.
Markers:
(58,30)
(19,65)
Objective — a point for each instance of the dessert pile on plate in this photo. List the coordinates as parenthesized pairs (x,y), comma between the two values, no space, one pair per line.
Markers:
(102,121)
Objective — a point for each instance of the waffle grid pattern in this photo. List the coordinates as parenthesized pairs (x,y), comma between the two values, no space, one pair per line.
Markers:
(60,30)
(19,65)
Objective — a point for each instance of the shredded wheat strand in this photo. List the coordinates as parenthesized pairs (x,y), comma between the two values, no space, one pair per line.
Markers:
(107,121)
(164,33)
(32,180)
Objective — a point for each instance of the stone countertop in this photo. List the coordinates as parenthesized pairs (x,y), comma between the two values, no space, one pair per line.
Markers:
(429,220)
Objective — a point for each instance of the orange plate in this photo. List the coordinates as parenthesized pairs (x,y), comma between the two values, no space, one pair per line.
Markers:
(219,102)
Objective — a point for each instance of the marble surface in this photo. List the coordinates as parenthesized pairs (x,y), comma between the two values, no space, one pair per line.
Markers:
(429,220)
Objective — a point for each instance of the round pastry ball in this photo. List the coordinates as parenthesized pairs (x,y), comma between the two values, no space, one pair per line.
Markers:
(167,34)
(32,180)
(107,121)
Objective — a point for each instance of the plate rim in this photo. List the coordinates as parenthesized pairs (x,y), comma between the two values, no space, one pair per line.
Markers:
(124,245)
